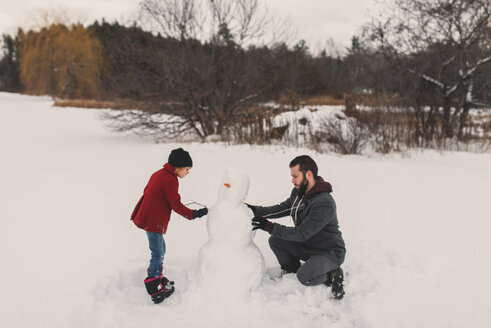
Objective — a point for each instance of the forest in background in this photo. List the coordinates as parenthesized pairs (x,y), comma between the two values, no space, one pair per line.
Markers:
(422,70)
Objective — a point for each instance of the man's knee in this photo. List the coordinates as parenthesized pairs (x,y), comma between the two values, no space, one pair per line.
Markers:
(315,270)
(307,276)
(303,278)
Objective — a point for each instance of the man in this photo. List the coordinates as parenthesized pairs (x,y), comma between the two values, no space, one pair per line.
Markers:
(315,237)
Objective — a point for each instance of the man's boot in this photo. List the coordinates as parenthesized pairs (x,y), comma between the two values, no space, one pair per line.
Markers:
(159,288)
(335,281)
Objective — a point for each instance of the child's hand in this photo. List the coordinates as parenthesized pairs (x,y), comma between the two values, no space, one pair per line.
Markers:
(199,213)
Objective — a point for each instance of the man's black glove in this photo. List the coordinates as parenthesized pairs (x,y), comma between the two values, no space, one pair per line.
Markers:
(199,213)
(252,207)
(262,223)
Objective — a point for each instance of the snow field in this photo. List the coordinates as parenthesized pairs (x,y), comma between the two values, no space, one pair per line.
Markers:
(416,229)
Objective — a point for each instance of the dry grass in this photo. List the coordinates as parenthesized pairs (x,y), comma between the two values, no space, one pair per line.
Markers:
(319,100)
(102,104)
(284,101)
(150,106)
(338,99)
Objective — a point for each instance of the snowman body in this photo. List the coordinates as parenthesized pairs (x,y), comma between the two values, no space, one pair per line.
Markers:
(230,261)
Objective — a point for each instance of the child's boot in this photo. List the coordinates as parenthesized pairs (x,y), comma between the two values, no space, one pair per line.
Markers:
(159,288)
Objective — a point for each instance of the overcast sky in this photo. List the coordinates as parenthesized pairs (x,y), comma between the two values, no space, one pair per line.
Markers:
(316,21)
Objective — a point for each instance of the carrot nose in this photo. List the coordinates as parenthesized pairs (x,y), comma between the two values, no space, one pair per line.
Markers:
(227,185)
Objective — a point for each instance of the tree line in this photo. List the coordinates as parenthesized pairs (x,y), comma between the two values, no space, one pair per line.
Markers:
(208,81)
(430,58)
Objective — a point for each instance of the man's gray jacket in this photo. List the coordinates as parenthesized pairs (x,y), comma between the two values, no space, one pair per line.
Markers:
(316,224)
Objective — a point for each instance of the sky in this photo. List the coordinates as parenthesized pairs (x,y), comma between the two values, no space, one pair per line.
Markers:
(315,21)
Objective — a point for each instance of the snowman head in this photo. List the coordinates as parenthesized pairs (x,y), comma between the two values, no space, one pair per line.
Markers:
(234,186)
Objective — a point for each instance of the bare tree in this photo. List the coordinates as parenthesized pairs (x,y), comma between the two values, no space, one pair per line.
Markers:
(199,19)
(179,19)
(281,31)
(245,18)
(214,82)
(144,123)
(209,72)
(446,44)
(249,21)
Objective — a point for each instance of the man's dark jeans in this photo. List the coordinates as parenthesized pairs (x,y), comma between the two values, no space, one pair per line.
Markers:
(315,269)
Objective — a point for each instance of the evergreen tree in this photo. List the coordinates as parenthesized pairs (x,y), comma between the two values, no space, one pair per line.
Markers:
(9,65)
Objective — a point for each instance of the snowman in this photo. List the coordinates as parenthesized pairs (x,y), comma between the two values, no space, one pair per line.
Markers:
(230,264)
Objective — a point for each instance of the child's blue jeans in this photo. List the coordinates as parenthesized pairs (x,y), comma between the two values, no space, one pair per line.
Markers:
(157,247)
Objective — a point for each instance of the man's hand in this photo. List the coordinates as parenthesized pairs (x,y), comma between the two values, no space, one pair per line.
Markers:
(199,213)
(262,223)
(252,207)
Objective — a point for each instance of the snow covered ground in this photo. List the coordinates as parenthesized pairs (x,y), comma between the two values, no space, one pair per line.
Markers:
(417,231)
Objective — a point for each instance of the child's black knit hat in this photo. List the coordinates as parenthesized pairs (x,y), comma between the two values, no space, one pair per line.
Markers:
(180,158)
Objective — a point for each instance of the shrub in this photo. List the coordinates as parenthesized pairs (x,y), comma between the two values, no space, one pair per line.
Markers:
(347,135)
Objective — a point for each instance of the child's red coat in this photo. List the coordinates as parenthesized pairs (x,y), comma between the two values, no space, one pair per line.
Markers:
(160,197)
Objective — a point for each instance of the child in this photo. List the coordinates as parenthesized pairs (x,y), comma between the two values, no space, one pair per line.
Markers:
(152,214)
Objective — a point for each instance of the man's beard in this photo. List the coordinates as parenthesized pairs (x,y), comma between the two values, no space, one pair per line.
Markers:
(303,187)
